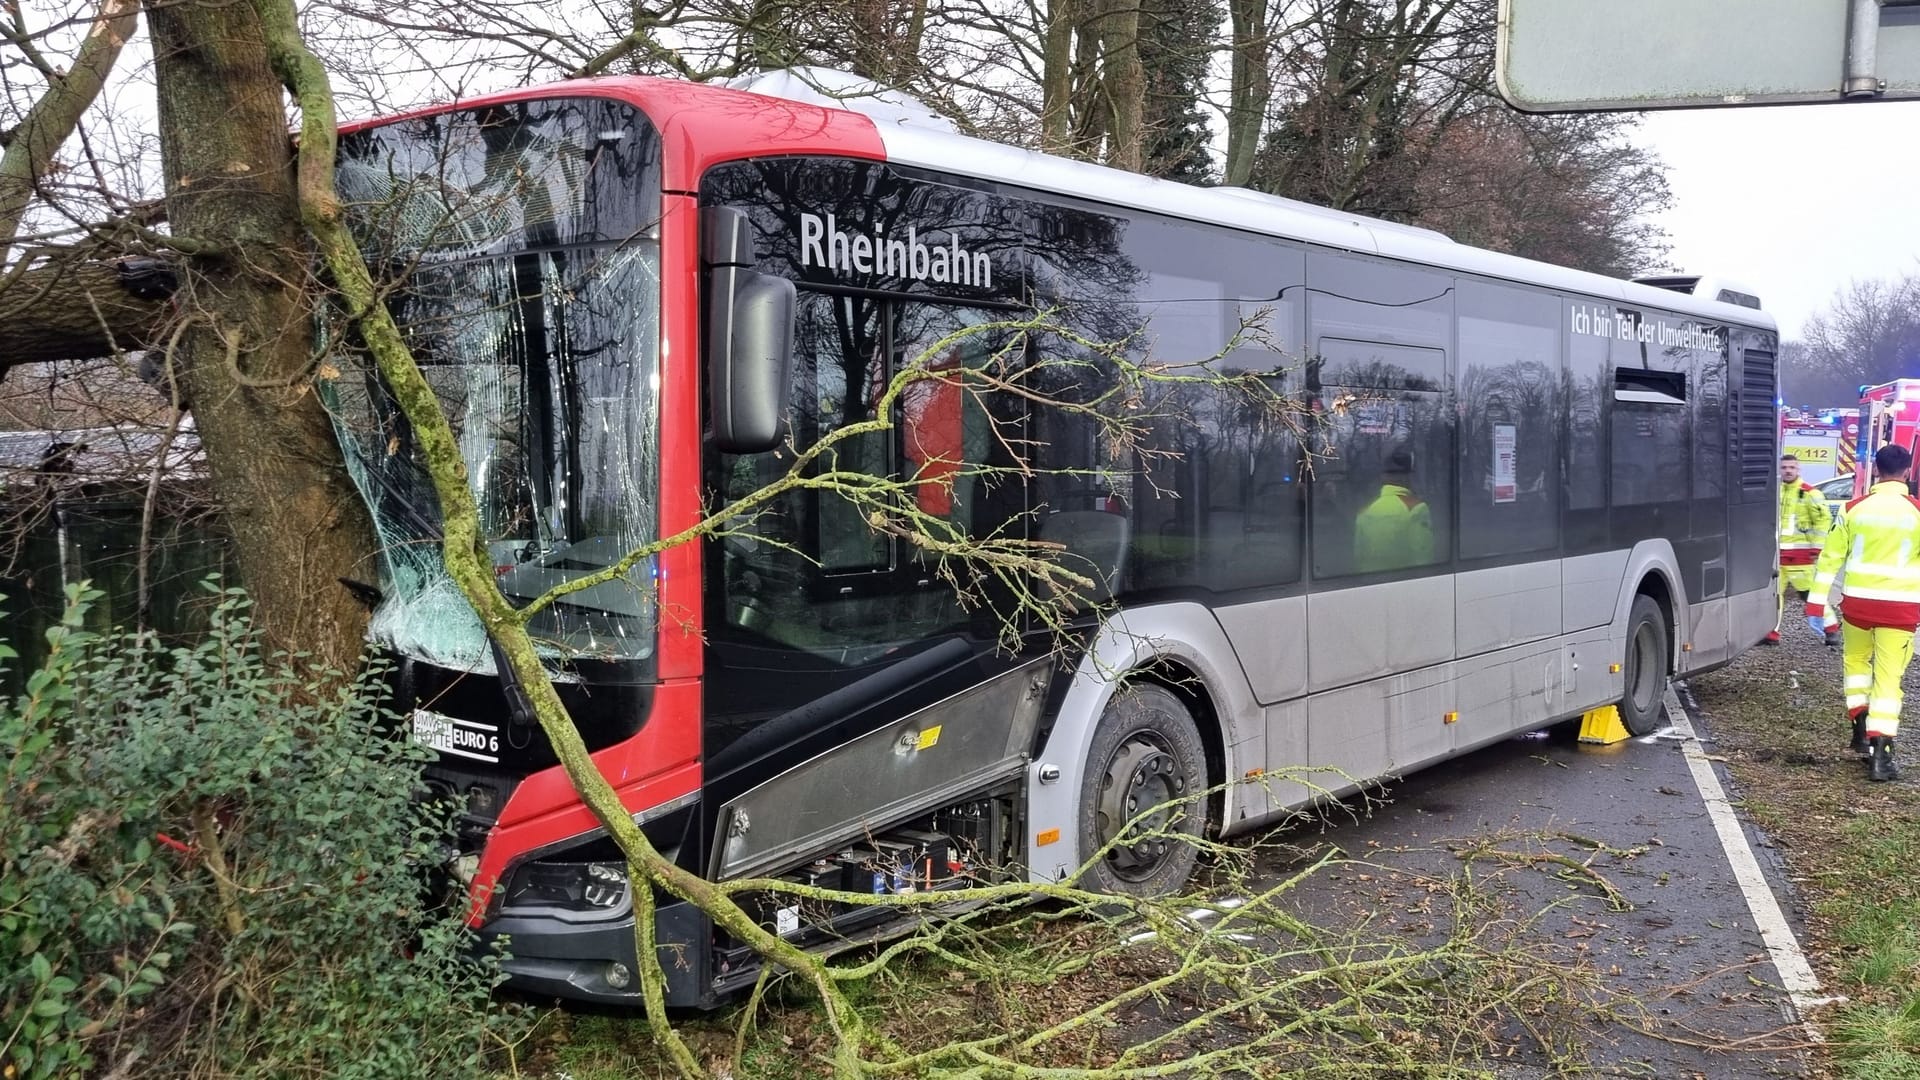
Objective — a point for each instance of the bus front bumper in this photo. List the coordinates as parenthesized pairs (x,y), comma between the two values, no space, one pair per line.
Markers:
(550,954)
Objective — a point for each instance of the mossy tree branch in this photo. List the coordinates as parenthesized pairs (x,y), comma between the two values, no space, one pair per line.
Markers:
(31,149)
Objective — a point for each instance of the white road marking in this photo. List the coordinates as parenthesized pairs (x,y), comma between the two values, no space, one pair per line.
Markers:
(1796,976)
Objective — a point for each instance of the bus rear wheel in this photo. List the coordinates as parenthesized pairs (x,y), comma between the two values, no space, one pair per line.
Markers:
(1145,783)
(1641,704)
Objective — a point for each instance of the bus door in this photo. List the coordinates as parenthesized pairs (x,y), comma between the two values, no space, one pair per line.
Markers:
(854,676)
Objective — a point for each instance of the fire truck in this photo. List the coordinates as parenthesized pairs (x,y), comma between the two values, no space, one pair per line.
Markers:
(1889,415)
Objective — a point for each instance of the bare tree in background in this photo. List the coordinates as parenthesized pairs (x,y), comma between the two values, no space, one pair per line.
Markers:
(1387,108)
(1177,43)
(1356,84)
(1868,333)
(1568,190)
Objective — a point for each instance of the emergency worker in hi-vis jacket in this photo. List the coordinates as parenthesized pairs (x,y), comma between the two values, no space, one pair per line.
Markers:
(1876,543)
(1394,531)
(1803,531)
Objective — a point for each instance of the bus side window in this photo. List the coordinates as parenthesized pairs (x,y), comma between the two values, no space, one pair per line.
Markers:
(1256,492)
(1509,385)
(811,569)
(1383,482)
(956,432)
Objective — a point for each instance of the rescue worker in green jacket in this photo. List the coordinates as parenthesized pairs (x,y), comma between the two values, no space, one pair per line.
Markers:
(1877,543)
(1396,530)
(1803,531)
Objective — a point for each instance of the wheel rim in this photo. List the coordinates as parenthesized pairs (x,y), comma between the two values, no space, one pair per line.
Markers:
(1643,682)
(1142,775)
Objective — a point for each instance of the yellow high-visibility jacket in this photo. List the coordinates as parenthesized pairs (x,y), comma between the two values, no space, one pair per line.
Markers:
(1877,541)
(1803,523)
(1393,532)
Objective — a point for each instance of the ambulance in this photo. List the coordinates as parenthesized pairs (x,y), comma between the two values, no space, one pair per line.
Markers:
(1823,441)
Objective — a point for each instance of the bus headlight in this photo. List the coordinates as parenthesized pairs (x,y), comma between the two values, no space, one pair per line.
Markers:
(575,886)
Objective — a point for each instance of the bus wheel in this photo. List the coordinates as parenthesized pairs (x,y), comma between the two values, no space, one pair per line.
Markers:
(1646,667)
(1146,767)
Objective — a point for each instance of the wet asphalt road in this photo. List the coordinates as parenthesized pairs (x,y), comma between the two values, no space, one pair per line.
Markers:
(1685,968)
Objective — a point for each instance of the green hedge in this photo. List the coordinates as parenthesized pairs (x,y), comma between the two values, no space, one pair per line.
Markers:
(210,868)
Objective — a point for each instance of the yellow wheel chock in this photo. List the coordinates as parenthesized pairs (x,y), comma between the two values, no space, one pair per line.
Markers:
(1603,726)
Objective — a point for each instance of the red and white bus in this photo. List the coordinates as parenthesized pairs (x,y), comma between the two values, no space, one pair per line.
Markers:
(624,290)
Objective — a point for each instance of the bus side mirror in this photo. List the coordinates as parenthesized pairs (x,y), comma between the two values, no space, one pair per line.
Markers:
(749,339)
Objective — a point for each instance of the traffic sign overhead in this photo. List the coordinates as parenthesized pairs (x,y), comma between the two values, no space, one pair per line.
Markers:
(1584,55)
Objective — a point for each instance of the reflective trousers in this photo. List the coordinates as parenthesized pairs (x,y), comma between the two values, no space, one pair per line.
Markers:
(1798,577)
(1874,661)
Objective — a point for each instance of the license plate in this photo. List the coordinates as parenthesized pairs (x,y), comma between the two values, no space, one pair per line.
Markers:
(461,738)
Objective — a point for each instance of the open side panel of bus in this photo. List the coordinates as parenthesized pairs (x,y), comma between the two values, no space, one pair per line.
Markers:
(942,754)
(931,802)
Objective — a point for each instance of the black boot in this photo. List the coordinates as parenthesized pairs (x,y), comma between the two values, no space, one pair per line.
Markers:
(1859,743)
(1880,764)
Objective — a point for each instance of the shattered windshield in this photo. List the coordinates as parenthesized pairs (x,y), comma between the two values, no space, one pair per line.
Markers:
(519,247)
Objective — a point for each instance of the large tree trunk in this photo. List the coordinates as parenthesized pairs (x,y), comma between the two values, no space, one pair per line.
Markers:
(1249,89)
(1056,77)
(871,55)
(1092,118)
(1125,83)
(908,65)
(764,43)
(245,357)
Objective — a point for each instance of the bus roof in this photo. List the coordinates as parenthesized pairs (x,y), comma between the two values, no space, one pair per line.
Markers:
(980,159)
(696,118)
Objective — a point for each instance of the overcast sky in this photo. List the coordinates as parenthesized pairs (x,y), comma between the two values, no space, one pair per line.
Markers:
(1794,200)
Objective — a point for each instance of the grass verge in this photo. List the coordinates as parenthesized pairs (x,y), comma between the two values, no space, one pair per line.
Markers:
(1850,847)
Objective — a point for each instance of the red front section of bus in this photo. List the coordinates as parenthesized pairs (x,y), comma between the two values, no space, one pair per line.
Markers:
(699,127)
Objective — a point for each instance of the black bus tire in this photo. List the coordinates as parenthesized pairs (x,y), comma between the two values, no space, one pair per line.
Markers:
(1644,691)
(1146,758)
